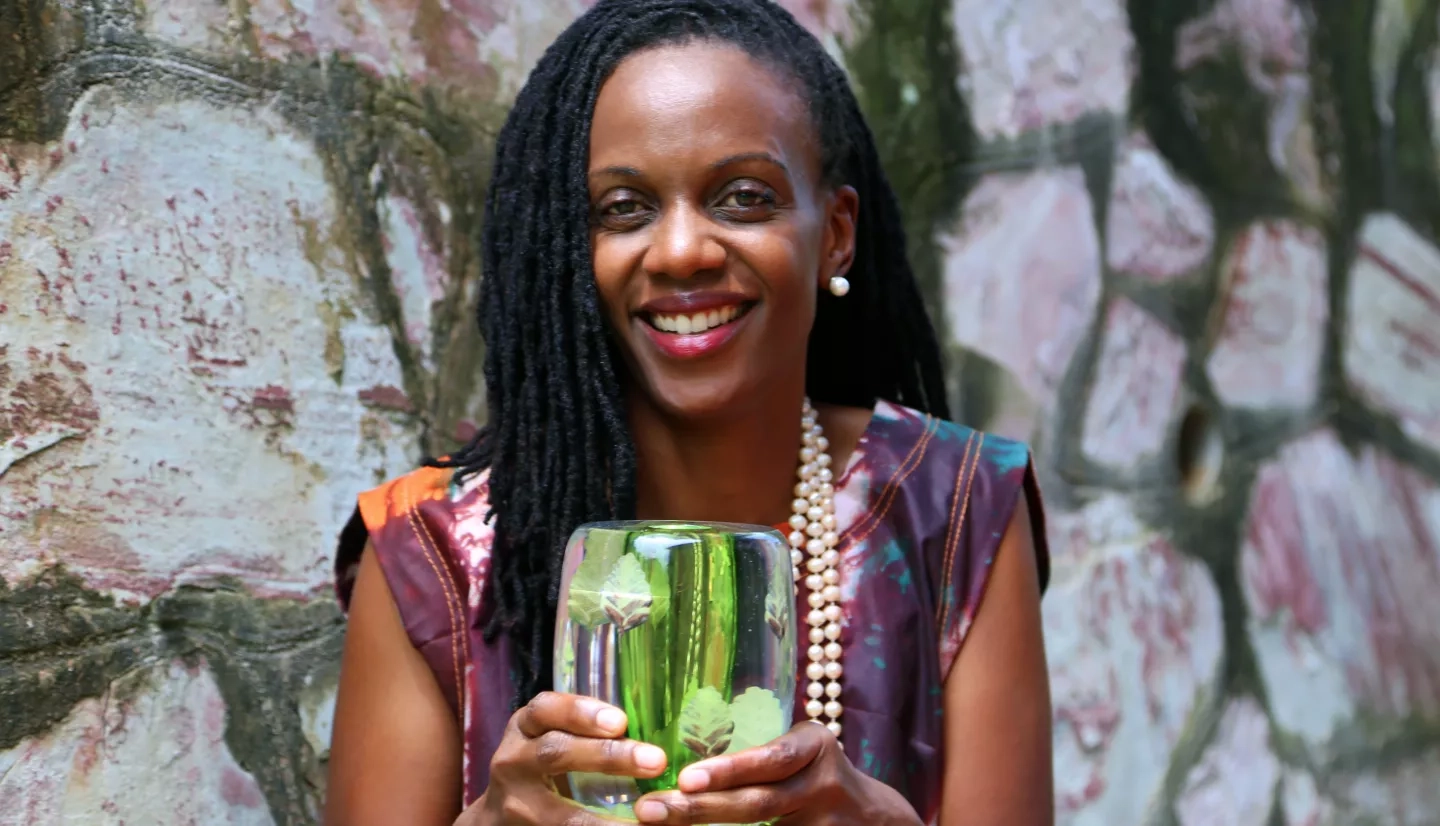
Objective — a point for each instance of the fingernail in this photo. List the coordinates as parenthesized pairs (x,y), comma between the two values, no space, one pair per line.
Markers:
(694,780)
(611,719)
(650,810)
(649,757)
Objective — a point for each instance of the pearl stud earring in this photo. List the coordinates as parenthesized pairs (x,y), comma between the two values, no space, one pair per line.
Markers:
(839,286)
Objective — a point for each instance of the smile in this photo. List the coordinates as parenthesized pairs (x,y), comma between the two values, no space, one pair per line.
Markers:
(696,323)
(695,333)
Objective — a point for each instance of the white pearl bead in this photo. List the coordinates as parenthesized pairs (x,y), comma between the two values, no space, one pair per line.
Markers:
(814,547)
(816,599)
(832,630)
(832,611)
(817,618)
(828,520)
(809,471)
(822,444)
(833,709)
(832,651)
(801,506)
(815,582)
(815,529)
(815,690)
(807,454)
(815,565)
(827,490)
(834,728)
(830,538)
(815,671)
(816,653)
(831,593)
(796,558)
(814,514)
(823,460)
(814,499)
(832,669)
(824,475)
(831,577)
(798,538)
(803,490)
(799,522)
(817,637)
(807,421)
(831,558)
(832,690)
(814,708)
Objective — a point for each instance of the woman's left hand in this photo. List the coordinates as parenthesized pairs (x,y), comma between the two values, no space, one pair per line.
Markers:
(803,778)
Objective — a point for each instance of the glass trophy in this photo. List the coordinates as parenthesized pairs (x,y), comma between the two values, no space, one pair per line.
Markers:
(687,627)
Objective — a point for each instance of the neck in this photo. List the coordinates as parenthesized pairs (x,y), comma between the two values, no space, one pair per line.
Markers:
(736,469)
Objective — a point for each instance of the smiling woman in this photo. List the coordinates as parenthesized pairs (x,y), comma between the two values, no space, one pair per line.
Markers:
(688,239)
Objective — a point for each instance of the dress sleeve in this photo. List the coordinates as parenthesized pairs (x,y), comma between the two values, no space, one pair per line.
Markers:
(990,481)
(407,524)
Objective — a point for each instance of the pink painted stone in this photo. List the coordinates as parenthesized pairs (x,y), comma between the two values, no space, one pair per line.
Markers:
(1134,635)
(1391,350)
(1022,275)
(826,19)
(417,269)
(484,45)
(1235,781)
(1031,64)
(1272,38)
(1136,387)
(1339,568)
(1275,310)
(1157,226)
(151,750)
(182,367)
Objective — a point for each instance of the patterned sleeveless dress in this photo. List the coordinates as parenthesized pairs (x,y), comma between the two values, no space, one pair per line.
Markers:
(922,506)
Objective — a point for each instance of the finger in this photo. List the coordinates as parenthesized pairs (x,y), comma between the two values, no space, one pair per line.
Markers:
(773,762)
(752,804)
(547,809)
(559,752)
(582,716)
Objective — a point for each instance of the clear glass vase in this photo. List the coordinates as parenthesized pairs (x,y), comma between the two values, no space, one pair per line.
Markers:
(687,626)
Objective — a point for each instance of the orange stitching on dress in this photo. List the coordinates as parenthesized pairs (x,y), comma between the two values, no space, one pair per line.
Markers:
(964,509)
(892,489)
(888,489)
(952,536)
(451,598)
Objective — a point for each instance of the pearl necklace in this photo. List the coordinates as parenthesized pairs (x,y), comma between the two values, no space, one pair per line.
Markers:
(813,534)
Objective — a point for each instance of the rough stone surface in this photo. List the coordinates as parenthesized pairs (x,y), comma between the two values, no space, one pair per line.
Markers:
(1039,63)
(1234,783)
(236,281)
(1134,636)
(1340,556)
(1275,309)
(1271,41)
(1157,226)
(120,759)
(1022,274)
(1392,341)
(485,45)
(1136,387)
(169,264)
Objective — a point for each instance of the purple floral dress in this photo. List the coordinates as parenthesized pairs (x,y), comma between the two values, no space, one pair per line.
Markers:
(922,507)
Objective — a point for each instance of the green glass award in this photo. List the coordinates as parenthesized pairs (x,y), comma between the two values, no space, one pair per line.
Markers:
(687,627)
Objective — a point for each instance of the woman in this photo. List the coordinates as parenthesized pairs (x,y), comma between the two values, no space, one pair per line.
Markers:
(687,236)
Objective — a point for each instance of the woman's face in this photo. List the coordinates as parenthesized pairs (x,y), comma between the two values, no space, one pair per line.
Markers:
(711,229)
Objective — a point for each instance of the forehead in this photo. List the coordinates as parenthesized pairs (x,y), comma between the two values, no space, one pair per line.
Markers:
(701,99)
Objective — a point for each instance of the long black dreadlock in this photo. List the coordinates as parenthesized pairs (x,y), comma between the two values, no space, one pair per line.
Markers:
(557,443)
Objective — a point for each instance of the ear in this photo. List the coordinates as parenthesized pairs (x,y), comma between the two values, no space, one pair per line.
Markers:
(838,247)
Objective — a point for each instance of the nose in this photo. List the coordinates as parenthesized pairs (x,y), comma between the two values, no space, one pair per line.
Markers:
(683,245)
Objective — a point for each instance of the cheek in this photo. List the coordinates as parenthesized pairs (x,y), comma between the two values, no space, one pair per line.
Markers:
(611,263)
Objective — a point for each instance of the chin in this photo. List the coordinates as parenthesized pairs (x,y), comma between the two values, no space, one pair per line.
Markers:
(696,398)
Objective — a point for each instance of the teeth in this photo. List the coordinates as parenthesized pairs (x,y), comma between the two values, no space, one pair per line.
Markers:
(689,325)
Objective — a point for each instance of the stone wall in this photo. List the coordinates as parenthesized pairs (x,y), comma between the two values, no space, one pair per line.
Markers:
(1185,248)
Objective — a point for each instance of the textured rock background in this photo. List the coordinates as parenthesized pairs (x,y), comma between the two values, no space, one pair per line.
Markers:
(1188,249)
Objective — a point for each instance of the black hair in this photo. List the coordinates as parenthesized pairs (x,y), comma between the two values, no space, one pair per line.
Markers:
(557,441)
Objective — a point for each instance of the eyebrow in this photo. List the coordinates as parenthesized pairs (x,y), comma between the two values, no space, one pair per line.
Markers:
(632,172)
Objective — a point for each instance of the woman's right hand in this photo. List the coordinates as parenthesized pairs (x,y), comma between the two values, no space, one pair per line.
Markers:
(551,736)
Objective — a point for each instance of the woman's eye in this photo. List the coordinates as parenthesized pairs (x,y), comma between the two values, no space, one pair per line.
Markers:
(747,199)
(622,208)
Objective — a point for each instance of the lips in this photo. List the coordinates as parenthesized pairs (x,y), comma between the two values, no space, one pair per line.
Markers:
(694,324)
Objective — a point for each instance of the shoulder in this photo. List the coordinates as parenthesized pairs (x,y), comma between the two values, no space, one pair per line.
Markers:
(427,520)
(919,448)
